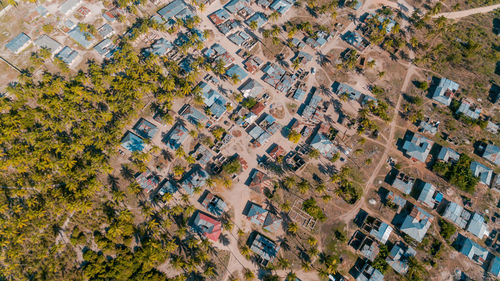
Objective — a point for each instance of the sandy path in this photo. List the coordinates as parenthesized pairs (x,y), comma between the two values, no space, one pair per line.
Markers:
(465,13)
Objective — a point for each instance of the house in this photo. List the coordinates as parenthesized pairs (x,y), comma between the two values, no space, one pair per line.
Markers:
(416,146)
(69,6)
(239,38)
(252,64)
(324,145)
(176,136)
(447,154)
(228,26)
(369,249)
(106,30)
(255,132)
(273,74)
(256,214)
(356,40)
(378,229)
(105,48)
(193,115)
(259,180)
(218,17)
(342,89)
(213,203)
(428,127)
(492,153)
(251,88)
(427,194)
(492,127)
(235,6)
(132,142)
(276,151)
(206,225)
(145,129)
(399,256)
(299,94)
(468,109)
(272,223)
(494,267)
(109,16)
(48,43)
(482,172)
(477,226)
(202,154)
(416,223)
(403,182)
(473,251)
(67,25)
(67,55)
(457,214)
(236,70)
(368,273)
(257,108)
(265,248)
(195,179)
(281,6)
(299,44)
(259,18)
(18,43)
(167,187)
(397,200)
(85,39)
(213,100)
(445,91)
(148,181)
(176,9)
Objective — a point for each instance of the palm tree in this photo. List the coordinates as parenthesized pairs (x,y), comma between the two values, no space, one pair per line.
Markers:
(283,263)
(249,275)
(245,251)
(293,228)
(312,241)
(306,266)
(274,16)
(285,207)
(291,276)
(235,78)
(253,25)
(179,152)
(304,186)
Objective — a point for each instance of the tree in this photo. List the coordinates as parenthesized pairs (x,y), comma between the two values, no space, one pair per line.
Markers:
(235,78)
(447,229)
(314,153)
(294,136)
(274,16)
(253,25)
(304,186)
(248,275)
(312,241)
(283,263)
(293,228)
(424,86)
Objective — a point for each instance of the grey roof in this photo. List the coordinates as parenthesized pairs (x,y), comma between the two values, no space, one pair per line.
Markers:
(167,187)
(235,6)
(447,154)
(417,223)
(482,172)
(259,18)
(42,10)
(344,89)
(398,257)
(445,91)
(193,115)
(106,30)
(251,88)
(492,154)
(197,177)
(382,233)
(18,43)
(67,55)
(324,145)
(369,249)
(172,9)
(68,6)
(160,47)
(426,194)
(203,154)
(417,147)
(145,129)
(264,247)
(473,251)
(177,136)
(272,223)
(396,199)
(457,214)
(44,41)
(428,127)
(469,110)
(281,6)
(79,36)
(477,226)
(104,47)
(148,181)
(403,182)
(256,131)
(370,274)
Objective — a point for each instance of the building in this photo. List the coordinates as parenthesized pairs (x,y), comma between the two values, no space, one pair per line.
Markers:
(234,6)
(416,146)
(492,153)
(416,223)
(176,9)
(473,251)
(195,179)
(457,214)
(259,18)
(202,154)
(258,181)
(469,110)
(45,42)
(167,187)
(355,40)
(281,6)
(272,223)
(213,100)
(484,173)
(193,115)
(403,182)
(427,194)
(105,48)
(265,248)
(106,30)
(378,229)
(494,267)
(256,214)
(252,64)
(447,154)
(236,70)
(220,16)
(145,129)
(428,127)
(69,6)
(397,200)
(132,142)
(85,39)
(213,203)
(399,256)
(477,226)
(368,273)
(324,145)
(67,55)
(18,43)
(251,88)
(206,225)
(445,91)
(177,136)
(160,47)
(148,181)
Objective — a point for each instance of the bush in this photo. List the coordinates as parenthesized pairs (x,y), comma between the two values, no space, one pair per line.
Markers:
(310,206)
(249,103)
(447,229)
(294,136)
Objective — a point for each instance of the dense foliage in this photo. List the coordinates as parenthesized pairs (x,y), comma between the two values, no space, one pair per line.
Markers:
(458,173)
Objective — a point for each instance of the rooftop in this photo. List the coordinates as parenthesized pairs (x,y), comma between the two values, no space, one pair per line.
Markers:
(67,55)
(207,226)
(445,91)
(417,223)
(484,173)
(417,146)
(18,43)
(44,41)
(132,142)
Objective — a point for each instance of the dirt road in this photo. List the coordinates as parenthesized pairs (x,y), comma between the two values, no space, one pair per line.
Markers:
(465,13)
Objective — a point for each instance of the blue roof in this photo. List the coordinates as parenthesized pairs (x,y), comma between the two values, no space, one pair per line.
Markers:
(256,214)
(382,233)
(104,47)
(79,36)
(145,129)
(106,30)
(281,6)
(417,223)
(426,194)
(160,47)
(473,251)
(67,55)
(259,18)
(235,6)
(445,91)
(167,187)
(132,142)
(193,115)
(417,147)
(495,267)
(492,154)
(238,70)
(197,177)
(177,136)
(172,9)
(42,10)
(477,226)
(344,89)
(446,154)
(18,43)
